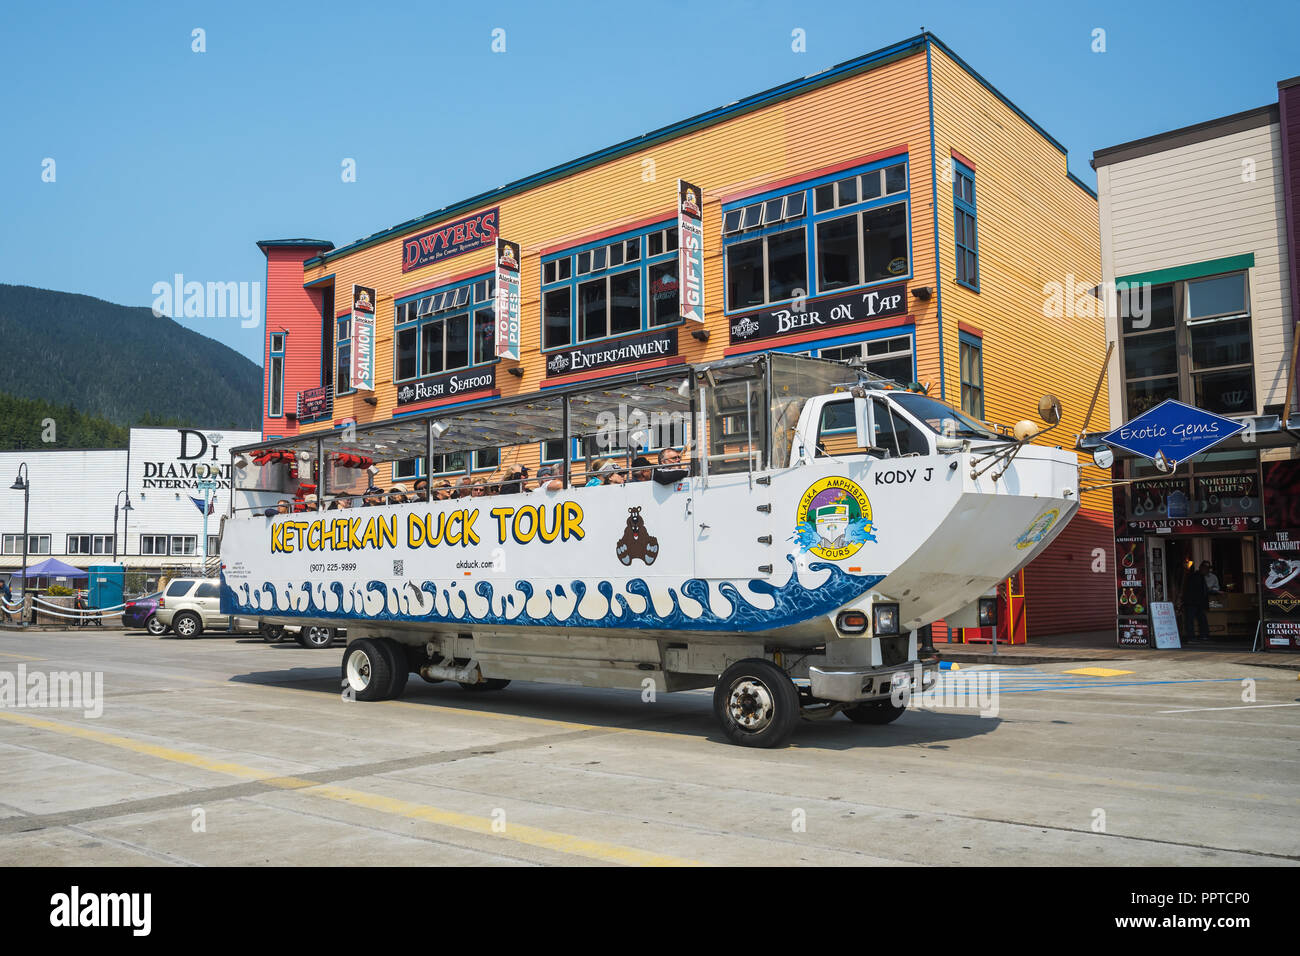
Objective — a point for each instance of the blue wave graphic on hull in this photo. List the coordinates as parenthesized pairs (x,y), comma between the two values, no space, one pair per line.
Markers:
(556,605)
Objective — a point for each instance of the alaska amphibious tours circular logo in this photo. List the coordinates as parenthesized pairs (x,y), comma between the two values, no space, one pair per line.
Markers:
(834,519)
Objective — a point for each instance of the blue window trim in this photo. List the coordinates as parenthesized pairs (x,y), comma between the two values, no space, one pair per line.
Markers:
(960,171)
(815,348)
(338,341)
(574,280)
(809,222)
(977,343)
(470,308)
(273,354)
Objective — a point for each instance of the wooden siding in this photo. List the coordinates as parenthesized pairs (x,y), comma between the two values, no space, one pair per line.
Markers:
(880,110)
(291,307)
(1191,204)
(1034,227)
(1064,595)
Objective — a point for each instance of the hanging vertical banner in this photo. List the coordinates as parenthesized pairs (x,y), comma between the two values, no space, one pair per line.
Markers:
(363,338)
(507,295)
(690,250)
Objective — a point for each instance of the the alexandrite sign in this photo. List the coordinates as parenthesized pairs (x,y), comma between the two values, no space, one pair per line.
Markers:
(640,348)
(450,240)
(444,386)
(812,314)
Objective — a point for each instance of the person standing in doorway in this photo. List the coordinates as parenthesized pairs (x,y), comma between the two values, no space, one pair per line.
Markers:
(1211,579)
(1196,600)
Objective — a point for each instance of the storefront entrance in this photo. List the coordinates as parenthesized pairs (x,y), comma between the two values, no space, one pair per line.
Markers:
(1234,608)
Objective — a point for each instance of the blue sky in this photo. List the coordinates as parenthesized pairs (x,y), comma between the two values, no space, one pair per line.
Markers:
(169,161)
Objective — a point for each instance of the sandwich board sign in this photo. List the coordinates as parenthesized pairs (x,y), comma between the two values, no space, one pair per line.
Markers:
(1164,622)
(1172,432)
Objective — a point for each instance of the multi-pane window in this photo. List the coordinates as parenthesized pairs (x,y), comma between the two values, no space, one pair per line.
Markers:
(153,544)
(485,459)
(36,544)
(889,358)
(1191,341)
(184,544)
(89,544)
(343,356)
(841,232)
(275,377)
(214,544)
(963,198)
(445,330)
(972,375)
(619,287)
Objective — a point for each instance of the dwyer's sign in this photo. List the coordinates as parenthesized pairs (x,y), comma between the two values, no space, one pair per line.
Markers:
(450,240)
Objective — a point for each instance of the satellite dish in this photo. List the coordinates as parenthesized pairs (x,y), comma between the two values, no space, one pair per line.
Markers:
(1049,409)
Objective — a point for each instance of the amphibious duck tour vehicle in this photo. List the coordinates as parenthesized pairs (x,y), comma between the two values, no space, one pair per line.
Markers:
(818,519)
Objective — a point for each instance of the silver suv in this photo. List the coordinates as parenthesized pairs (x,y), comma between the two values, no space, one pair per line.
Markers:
(191,605)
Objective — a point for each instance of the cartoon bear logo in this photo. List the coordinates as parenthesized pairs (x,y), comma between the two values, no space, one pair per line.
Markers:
(636,541)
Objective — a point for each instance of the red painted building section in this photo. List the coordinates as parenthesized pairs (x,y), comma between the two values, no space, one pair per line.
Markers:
(1288,101)
(294,311)
(1063,592)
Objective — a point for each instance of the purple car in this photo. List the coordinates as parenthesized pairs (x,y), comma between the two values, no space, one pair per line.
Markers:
(143,612)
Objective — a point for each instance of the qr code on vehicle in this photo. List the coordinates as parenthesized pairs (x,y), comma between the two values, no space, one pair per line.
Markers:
(399,569)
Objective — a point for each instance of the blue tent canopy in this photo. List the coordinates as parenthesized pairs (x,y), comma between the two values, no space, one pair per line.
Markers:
(52,568)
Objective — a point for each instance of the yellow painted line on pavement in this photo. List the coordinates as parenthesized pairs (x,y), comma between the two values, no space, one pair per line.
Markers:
(1097,672)
(532,836)
(21,657)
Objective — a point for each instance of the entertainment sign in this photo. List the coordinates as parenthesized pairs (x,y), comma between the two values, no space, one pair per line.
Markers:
(813,314)
(640,348)
(444,386)
(450,240)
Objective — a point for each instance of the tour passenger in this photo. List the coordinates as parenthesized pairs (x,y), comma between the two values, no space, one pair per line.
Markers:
(373,496)
(442,491)
(641,468)
(397,495)
(284,507)
(549,479)
(604,472)
(421,487)
(669,470)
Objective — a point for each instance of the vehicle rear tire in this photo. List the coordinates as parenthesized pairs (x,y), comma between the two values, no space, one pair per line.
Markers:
(367,669)
(488,683)
(400,663)
(155,627)
(315,636)
(271,633)
(187,624)
(756,703)
(874,712)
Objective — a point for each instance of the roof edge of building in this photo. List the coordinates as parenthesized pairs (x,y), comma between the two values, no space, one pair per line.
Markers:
(1187,135)
(858,65)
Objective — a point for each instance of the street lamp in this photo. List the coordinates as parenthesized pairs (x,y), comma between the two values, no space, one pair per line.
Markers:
(23,483)
(125,509)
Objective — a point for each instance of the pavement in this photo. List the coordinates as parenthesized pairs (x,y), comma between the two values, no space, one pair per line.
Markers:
(226,750)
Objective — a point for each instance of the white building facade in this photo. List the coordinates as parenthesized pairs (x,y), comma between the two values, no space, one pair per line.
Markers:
(162,472)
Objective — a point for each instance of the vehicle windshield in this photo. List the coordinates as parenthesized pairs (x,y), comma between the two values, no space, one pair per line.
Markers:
(943,419)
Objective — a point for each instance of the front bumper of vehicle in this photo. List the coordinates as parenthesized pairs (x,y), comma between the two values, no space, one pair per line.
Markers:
(851,684)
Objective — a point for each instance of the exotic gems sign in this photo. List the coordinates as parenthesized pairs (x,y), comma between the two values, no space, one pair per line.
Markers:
(507,296)
(808,315)
(363,338)
(455,238)
(1172,432)
(690,250)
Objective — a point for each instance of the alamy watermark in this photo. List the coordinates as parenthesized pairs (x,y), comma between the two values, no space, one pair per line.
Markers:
(952,690)
(636,429)
(71,690)
(209,300)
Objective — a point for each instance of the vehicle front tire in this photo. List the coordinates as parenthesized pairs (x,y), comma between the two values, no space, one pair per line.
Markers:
(316,636)
(368,669)
(756,703)
(187,624)
(874,712)
(272,633)
(155,627)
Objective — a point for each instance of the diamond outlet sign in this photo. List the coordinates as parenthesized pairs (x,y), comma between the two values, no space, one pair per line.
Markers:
(1172,432)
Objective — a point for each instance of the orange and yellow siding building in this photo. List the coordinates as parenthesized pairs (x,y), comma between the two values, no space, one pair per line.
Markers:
(901,173)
